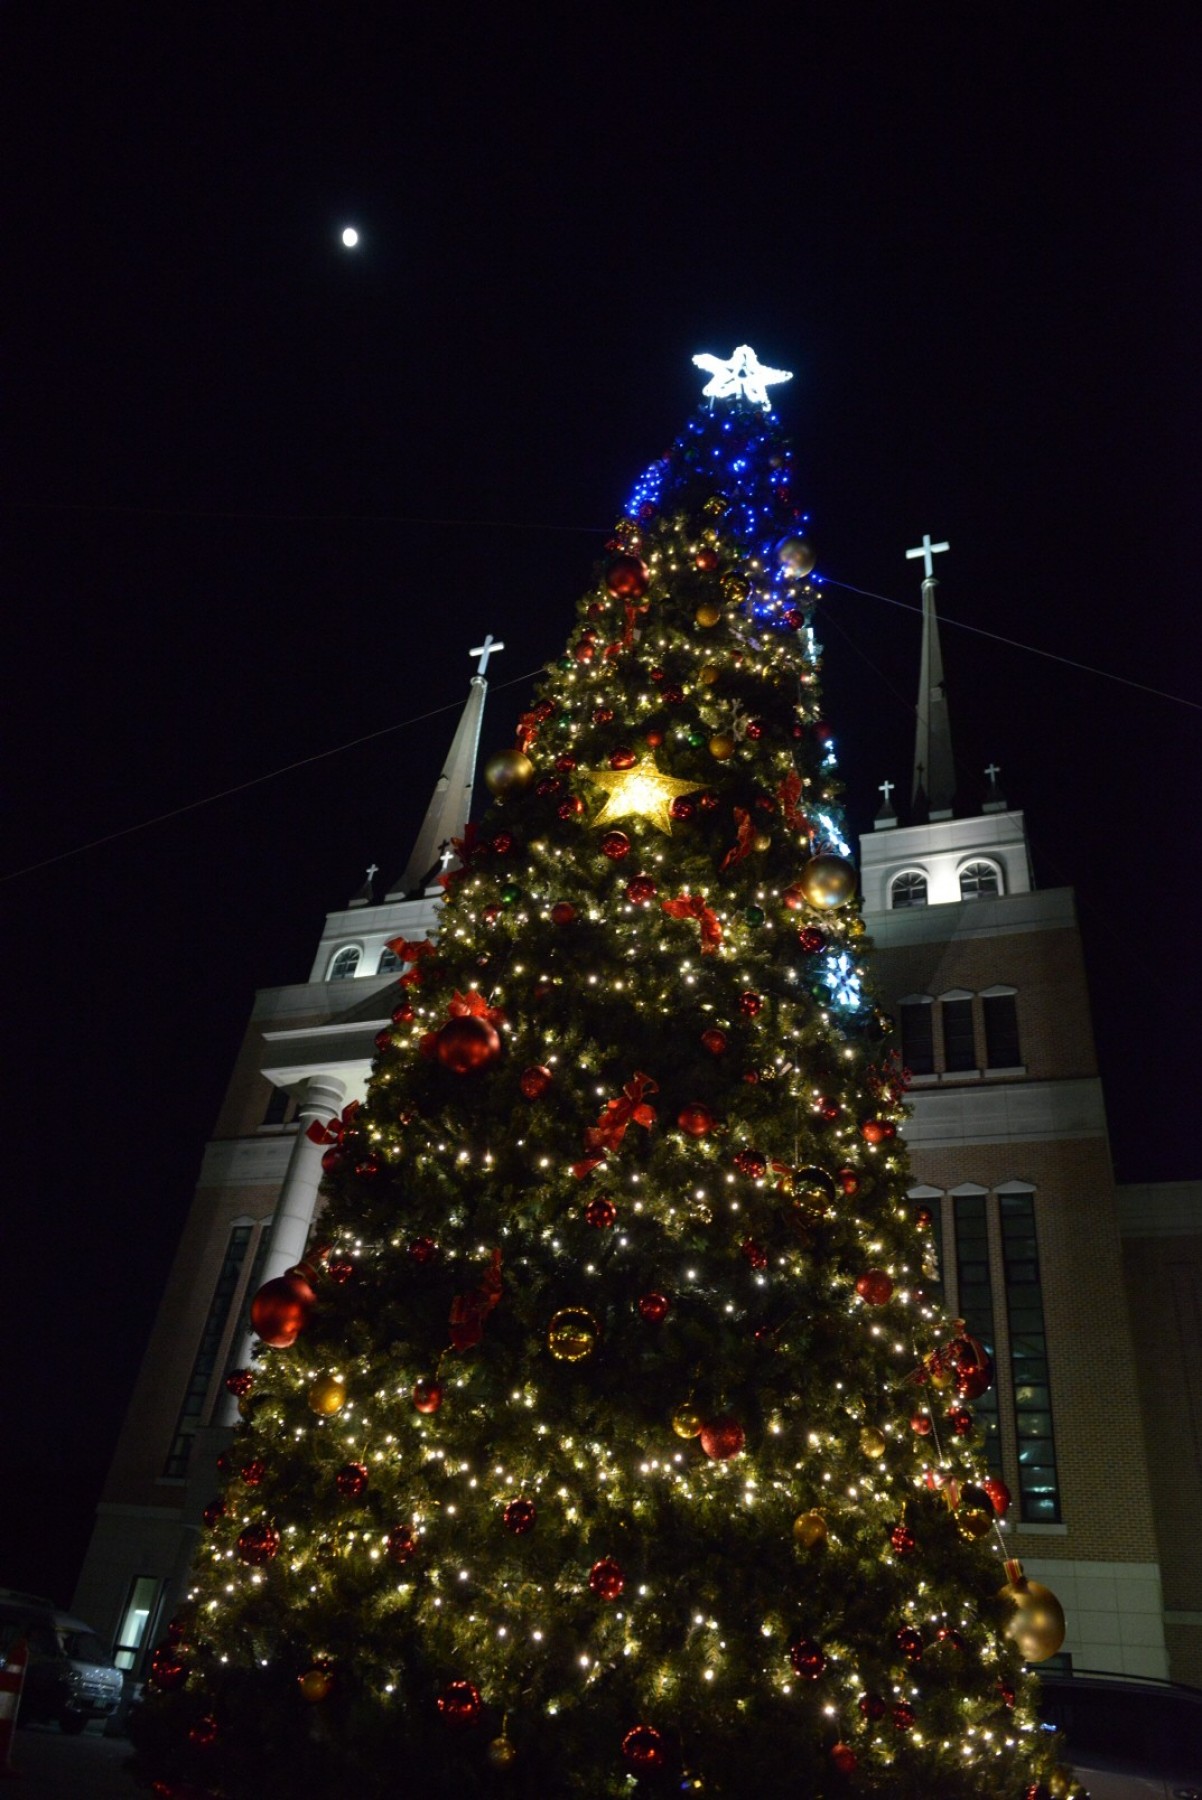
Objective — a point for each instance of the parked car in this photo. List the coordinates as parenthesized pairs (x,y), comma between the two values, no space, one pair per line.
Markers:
(1127,1738)
(71,1676)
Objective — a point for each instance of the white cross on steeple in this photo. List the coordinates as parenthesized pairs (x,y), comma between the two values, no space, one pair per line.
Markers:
(373,871)
(887,788)
(926,550)
(488,648)
(993,771)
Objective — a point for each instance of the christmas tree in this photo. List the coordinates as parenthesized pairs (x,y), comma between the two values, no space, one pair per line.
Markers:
(611,1439)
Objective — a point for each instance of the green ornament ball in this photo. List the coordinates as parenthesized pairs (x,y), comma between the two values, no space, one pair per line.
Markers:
(510,895)
(754,915)
(695,738)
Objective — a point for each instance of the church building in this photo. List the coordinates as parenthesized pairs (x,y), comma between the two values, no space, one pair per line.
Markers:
(1044,1259)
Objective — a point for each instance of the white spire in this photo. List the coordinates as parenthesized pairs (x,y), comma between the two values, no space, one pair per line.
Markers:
(451,802)
(934,770)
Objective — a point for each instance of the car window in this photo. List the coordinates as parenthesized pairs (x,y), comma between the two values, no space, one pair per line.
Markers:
(85,1646)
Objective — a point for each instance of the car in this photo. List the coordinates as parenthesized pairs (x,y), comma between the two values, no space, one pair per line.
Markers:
(70,1676)
(1127,1737)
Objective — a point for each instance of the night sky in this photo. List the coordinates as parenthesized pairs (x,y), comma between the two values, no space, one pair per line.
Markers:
(260,495)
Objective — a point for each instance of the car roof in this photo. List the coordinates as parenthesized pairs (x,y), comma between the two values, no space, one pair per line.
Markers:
(23,1605)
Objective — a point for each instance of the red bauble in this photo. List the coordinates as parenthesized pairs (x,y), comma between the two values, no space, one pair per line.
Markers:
(427,1394)
(793,618)
(794,897)
(584,652)
(714,1041)
(903,1540)
(909,1642)
(258,1544)
(615,845)
(903,1716)
(383,1039)
(239,1382)
(673,696)
(626,577)
(751,1077)
(1007,1692)
(644,1749)
(622,758)
(603,715)
(503,843)
(752,1163)
(281,1309)
(422,1250)
(874,1287)
(810,939)
(520,1516)
(750,1003)
(460,1703)
(402,1014)
(999,1494)
(696,1120)
(563,913)
(351,1480)
(401,1544)
(213,1514)
(706,559)
(467,1045)
(828,1110)
(657,675)
(960,1420)
(972,1383)
(849,1182)
(683,809)
(955,1640)
(921,1423)
(877,1131)
(254,1472)
(606,1579)
(755,1253)
(844,1759)
(491,914)
(707,801)
(654,1308)
(653,739)
(535,1081)
(331,1159)
(755,729)
(808,1658)
(640,890)
(571,808)
(203,1732)
(565,764)
(167,1671)
(600,1213)
(872,1706)
(924,1218)
(722,1438)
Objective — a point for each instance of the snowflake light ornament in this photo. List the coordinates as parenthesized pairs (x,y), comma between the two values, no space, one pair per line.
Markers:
(841,977)
(742,377)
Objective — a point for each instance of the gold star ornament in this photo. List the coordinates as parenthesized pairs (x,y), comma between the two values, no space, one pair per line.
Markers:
(642,792)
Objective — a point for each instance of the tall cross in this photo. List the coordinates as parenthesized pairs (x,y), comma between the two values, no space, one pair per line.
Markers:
(926,550)
(373,871)
(488,648)
(993,771)
(886,788)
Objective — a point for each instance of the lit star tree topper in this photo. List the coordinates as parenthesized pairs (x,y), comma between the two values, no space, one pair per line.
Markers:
(742,376)
(642,791)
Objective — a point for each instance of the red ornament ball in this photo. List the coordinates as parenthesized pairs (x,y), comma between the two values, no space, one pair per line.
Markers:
(503,843)
(571,808)
(722,1438)
(402,1014)
(520,1516)
(460,1703)
(751,1004)
(695,1120)
(706,559)
(877,1131)
(808,1658)
(714,1041)
(707,801)
(903,1540)
(903,1716)
(755,1253)
(872,1706)
(849,1182)
(563,913)
(401,1544)
(204,1732)
(422,1250)
(794,618)
(644,1749)
(254,1472)
(828,1110)
(351,1480)
(955,1640)
(383,1039)
(752,1163)
(584,651)
(683,809)
(640,890)
(653,739)
(999,1494)
(331,1159)
(755,729)
(606,1579)
(600,1213)
(427,1394)
(1007,1692)
(535,1081)
(655,1308)
(811,939)
(874,1287)
(281,1309)
(626,577)
(213,1514)
(615,845)
(909,1642)
(921,1423)
(844,1759)
(960,1420)
(467,1045)
(490,915)
(924,1218)
(565,764)
(258,1544)
(239,1382)
(603,715)
(167,1670)
(622,758)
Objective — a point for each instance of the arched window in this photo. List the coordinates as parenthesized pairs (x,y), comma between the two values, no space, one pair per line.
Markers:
(345,963)
(389,962)
(978,880)
(909,889)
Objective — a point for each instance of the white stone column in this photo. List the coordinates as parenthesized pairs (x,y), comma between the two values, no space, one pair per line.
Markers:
(297,1203)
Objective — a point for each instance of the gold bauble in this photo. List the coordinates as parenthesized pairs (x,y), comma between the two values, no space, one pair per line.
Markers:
(736,587)
(572,1334)
(722,746)
(327,1395)
(761,842)
(508,772)
(809,1530)
(707,613)
(872,1441)
(796,556)
(1036,1623)
(972,1523)
(828,881)
(501,1753)
(716,505)
(315,1684)
(708,673)
(856,928)
(687,1421)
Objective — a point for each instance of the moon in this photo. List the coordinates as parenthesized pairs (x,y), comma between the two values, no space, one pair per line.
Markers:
(350,237)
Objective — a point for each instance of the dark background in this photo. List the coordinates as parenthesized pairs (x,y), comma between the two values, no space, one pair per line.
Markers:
(259,495)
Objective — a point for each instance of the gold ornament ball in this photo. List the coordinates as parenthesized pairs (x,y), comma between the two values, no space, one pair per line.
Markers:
(327,1396)
(315,1684)
(687,1422)
(508,772)
(761,842)
(796,556)
(707,613)
(872,1441)
(973,1522)
(1036,1623)
(722,746)
(572,1334)
(708,673)
(501,1753)
(856,928)
(828,882)
(809,1530)
(716,505)
(736,588)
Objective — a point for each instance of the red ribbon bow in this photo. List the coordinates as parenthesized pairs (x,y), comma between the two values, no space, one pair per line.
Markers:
(607,1134)
(474,1005)
(527,731)
(469,1311)
(335,1130)
(744,842)
(407,952)
(789,793)
(627,638)
(692,906)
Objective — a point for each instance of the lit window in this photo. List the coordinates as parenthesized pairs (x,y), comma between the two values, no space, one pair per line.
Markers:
(1039,1485)
(143,1595)
(978,881)
(389,962)
(909,889)
(345,963)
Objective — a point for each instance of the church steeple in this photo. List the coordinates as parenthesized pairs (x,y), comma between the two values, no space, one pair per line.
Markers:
(934,786)
(451,802)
